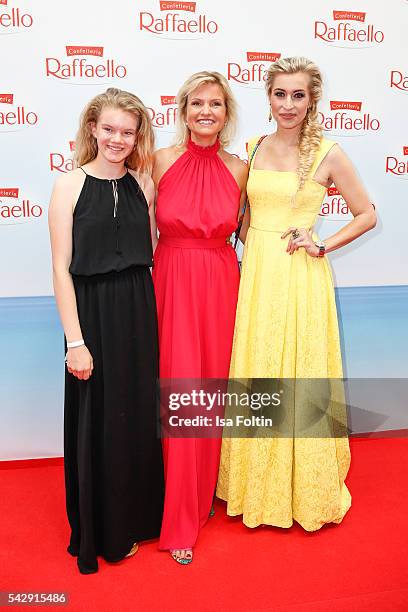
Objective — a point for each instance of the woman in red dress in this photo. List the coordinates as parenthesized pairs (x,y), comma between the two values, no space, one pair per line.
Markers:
(199,188)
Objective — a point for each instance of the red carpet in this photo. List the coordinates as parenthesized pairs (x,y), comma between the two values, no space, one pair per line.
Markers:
(361,565)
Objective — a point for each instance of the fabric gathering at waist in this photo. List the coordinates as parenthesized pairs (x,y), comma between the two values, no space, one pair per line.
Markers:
(193,243)
(112,274)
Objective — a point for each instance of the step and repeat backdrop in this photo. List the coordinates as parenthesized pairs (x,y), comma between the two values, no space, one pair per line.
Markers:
(56,56)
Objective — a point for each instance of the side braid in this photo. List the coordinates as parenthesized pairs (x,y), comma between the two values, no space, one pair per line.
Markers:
(309,142)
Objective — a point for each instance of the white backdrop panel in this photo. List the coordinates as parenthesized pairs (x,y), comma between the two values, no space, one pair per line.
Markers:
(150,48)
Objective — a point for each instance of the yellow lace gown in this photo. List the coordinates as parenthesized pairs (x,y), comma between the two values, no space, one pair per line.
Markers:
(286,326)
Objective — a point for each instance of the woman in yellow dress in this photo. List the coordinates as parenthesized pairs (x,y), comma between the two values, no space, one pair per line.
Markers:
(286,324)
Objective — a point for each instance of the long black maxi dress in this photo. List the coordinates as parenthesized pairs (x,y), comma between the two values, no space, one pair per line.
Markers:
(113,457)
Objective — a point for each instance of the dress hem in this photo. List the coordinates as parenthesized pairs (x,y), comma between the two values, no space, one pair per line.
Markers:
(270,522)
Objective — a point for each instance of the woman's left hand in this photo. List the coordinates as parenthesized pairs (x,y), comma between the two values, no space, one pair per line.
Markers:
(300,237)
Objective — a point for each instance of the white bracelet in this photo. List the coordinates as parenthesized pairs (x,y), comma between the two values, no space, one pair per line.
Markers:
(76,343)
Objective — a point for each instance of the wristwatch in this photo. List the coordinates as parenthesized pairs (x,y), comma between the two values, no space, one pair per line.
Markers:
(322,248)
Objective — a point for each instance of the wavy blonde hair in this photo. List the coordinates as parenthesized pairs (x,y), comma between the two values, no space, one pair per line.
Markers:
(192,83)
(86,148)
(311,131)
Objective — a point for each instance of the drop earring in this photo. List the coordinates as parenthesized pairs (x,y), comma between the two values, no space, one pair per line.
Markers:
(270,115)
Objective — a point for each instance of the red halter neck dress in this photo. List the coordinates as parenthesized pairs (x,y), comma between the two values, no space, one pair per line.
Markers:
(196,281)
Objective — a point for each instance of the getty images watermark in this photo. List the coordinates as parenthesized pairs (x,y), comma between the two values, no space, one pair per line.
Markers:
(252,408)
(202,400)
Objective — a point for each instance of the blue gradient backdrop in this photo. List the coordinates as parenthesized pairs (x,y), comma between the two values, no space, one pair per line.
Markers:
(374,332)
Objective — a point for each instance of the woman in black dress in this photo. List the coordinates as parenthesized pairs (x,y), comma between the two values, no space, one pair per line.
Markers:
(101,239)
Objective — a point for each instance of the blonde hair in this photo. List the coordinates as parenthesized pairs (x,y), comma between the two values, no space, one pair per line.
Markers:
(311,131)
(86,147)
(196,80)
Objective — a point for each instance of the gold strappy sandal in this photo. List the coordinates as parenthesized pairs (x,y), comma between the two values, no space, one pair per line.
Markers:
(133,550)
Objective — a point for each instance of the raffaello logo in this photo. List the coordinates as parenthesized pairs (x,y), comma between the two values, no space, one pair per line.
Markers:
(398,166)
(177,20)
(348,29)
(14,210)
(347,118)
(164,116)
(399,80)
(84,64)
(15,117)
(63,162)
(252,72)
(14,19)
(334,207)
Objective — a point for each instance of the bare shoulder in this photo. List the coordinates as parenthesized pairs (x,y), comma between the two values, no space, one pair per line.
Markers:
(168,155)
(236,166)
(146,184)
(70,179)
(68,186)
(144,179)
(163,159)
(337,158)
(67,189)
(234,162)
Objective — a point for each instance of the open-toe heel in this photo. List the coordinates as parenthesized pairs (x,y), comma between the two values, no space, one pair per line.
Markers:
(186,559)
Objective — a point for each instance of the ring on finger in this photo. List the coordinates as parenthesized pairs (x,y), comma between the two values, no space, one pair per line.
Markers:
(295,234)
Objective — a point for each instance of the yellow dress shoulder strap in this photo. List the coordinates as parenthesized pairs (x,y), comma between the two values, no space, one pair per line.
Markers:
(251,145)
(324,148)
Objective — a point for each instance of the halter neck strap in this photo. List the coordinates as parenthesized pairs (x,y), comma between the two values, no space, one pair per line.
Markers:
(204,152)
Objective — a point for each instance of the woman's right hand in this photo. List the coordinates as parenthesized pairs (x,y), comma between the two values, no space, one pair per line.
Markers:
(79,362)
